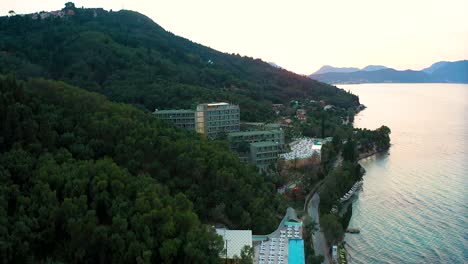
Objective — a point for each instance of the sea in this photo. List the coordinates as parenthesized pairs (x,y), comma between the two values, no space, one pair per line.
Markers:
(413,207)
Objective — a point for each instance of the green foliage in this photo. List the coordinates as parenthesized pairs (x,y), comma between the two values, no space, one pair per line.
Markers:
(337,183)
(350,151)
(87,180)
(331,227)
(247,255)
(347,217)
(129,58)
(310,227)
(373,140)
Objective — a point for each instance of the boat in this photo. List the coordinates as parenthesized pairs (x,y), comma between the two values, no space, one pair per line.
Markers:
(353,230)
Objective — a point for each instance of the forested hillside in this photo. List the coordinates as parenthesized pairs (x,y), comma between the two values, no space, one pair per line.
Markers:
(129,58)
(87,180)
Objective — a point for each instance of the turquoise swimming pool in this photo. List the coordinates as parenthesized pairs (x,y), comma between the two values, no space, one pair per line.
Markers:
(296,251)
(291,223)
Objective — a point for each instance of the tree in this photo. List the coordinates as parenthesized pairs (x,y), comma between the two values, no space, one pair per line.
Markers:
(70,5)
(350,151)
(12,13)
(113,59)
(332,228)
(247,255)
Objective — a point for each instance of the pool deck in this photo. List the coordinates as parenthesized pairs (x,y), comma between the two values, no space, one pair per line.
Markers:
(274,248)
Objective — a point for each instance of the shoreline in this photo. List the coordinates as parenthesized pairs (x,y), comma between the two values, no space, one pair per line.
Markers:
(362,156)
(369,154)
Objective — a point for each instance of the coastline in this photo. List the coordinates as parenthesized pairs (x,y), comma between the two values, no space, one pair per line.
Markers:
(361,157)
(368,154)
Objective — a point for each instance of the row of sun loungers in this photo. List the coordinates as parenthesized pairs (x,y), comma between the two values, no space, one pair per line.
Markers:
(301,150)
(275,253)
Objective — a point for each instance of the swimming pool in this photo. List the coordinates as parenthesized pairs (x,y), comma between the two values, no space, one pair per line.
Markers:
(291,223)
(296,251)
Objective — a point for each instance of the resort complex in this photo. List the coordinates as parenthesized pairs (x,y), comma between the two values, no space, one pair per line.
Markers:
(260,144)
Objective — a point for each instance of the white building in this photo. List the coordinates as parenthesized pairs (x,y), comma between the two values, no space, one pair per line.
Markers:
(234,241)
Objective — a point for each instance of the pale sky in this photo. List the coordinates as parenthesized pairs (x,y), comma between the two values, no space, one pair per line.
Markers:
(303,35)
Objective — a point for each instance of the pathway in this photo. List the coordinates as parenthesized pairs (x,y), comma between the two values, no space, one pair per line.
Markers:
(320,246)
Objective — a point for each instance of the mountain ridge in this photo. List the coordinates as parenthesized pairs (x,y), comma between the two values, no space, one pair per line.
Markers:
(445,72)
(130,58)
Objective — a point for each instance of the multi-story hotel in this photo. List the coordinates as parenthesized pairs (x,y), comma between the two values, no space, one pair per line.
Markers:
(181,118)
(215,119)
(210,120)
(265,153)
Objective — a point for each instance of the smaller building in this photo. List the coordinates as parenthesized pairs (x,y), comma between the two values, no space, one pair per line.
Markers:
(234,242)
(328,107)
(335,252)
(286,121)
(277,106)
(301,114)
(181,118)
(275,135)
(264,153)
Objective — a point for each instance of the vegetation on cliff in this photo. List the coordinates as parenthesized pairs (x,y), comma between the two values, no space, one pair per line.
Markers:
(87,180)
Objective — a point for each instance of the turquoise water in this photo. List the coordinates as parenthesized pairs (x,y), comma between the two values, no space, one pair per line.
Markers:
(292,224)
(414,206)
(296,251)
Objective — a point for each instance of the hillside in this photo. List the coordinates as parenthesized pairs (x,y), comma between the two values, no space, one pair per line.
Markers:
(85,180)
(434,67)
(129,58)
(444,72)
(456,72)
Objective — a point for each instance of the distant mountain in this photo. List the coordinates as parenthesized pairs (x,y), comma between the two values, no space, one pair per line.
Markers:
(374,68)
(435,66)
(380,76)
(447,72)
(452,72)
(328,68)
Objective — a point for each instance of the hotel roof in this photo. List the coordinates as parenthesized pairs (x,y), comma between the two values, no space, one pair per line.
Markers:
(236,240)
(174,111)
(264,144)
(253,133)
(217,104)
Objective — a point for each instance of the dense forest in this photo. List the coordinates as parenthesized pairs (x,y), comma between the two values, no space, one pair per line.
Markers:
(87,180)
(129,58)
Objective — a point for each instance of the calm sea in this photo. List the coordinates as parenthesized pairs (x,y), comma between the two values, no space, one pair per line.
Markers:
(414,203)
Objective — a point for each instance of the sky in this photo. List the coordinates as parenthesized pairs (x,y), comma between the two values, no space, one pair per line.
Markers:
(303,35)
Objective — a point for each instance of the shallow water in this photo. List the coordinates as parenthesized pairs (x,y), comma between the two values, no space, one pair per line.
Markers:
(414,206)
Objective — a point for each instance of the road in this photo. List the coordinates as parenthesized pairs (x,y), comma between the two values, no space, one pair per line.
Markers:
(318,238)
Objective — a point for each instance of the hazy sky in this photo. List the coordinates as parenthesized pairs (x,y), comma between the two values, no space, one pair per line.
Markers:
(304,35)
